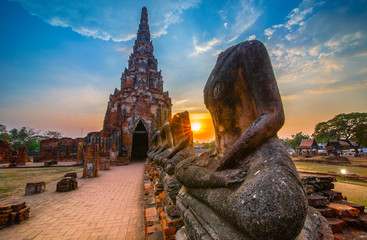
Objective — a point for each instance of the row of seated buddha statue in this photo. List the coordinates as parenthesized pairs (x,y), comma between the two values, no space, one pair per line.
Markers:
(247,187)
(170,145)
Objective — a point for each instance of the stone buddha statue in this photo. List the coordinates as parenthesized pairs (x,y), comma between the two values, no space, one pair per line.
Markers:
(167,143)
(248,186)
(156,144)
(182,142)
(182,149)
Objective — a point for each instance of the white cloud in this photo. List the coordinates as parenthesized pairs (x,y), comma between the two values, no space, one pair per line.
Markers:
(180,101)
(364,70)
(297,16)
(313,55)
(204,47)
(268,32)
(245,17)
(233,39)
(108,20)
(328,89)
(252,37)
(174,16)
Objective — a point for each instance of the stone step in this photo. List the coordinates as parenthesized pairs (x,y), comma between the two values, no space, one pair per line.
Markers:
(352,204)
(352,222)
(332,195)
(343,210)
(327,212)
(317,201)
(336,224)
(363,220)
(350,234)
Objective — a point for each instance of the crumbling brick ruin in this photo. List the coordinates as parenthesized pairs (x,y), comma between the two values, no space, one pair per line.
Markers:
(5,152)
(22,155)
(13,213)
(63,149)
(35,188)
(135,111)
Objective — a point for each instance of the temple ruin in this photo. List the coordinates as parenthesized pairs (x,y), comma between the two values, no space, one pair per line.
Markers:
(135,111)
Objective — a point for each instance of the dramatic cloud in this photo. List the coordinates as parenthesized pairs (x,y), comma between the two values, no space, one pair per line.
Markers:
(204,47)
(245,17)
(108,20)
(239,16)
(309,60)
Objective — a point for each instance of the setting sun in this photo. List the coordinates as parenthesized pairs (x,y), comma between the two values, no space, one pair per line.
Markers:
(195,126)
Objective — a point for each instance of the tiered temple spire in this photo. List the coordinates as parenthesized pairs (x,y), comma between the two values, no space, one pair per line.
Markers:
(143,32)
(142,68)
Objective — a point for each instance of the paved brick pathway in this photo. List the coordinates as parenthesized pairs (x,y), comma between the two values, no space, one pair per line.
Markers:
(107,207)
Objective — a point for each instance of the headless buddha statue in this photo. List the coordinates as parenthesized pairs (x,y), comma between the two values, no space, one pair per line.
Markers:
(248,187)
(155,145)
(167,143)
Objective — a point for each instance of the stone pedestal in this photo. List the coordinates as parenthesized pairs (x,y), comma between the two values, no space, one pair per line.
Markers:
(80,153)
(91,161)
(13,213)
(22,156)
(35,187)
(67,184)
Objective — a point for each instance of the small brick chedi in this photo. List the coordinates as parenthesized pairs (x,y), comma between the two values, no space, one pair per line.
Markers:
(136,110)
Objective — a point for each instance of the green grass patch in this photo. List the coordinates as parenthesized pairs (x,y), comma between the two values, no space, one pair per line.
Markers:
(331,168)
(354,192)
(14,180)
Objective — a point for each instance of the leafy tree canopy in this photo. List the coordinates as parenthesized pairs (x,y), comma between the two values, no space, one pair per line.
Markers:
(296,140)
(26,137)
(52,134)
(23,137)
(4,136)
(351,126)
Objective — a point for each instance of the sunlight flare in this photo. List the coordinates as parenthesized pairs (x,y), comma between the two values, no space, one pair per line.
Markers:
(195,127)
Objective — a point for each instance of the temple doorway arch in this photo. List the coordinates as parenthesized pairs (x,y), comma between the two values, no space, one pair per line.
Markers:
(140,142)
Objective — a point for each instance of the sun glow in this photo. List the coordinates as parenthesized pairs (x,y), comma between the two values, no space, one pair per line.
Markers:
(195,127)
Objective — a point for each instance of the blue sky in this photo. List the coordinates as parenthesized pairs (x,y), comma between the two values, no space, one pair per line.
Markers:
(60,60)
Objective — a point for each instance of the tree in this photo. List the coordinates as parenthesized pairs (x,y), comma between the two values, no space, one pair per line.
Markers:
(360,134)
(52,134)
(209,145)
(285,141)
(23,137)
(296,140)
(4,136)
(351,126)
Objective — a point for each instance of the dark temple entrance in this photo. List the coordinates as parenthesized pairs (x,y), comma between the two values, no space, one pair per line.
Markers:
(140,143)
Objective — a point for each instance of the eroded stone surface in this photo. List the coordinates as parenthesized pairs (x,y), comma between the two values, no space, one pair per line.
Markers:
(248,186)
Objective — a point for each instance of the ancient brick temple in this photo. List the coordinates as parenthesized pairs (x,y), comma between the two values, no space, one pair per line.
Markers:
(136,110)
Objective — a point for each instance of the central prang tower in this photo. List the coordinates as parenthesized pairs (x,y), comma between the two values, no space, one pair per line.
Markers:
(140,107)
